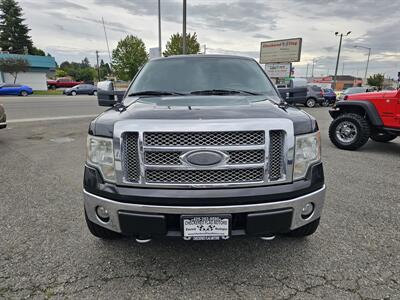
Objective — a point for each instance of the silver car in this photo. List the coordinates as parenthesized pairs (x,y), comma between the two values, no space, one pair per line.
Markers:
(3,123)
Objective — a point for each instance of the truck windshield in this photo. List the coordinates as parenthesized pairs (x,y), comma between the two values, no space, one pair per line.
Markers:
(202,76)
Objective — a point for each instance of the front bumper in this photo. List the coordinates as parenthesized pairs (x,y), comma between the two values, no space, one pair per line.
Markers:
(3,125)
(163,220)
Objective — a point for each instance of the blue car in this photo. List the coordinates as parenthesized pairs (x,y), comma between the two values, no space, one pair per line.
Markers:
(15,89)
(329,96)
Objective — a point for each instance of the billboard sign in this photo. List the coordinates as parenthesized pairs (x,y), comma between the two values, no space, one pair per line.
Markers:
(278,70)
(280,51)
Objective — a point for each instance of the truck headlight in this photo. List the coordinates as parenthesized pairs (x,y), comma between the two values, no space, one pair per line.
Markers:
(100,154)
(307,152)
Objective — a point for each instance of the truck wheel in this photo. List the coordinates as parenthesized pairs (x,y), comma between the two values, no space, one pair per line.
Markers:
(306,230)
(311,102)
(383,137)
(349,131)
(101,232)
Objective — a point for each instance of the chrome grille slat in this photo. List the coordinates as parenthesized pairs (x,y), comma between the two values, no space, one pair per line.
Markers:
(212,138)
(204,176)
(173,157)
(130,154)
(276,155)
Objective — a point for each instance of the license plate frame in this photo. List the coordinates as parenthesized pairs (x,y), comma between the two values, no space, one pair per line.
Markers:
(189,232)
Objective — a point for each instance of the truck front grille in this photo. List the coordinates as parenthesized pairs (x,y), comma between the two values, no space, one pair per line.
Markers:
(214,138)
(205,176)
(157,158)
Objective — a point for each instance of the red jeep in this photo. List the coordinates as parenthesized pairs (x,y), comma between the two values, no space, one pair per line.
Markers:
(362,116)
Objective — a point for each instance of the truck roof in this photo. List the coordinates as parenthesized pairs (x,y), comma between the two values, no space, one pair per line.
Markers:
(204,56)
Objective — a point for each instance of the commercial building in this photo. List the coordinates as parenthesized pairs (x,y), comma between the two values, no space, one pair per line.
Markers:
(36,76)
(342,81)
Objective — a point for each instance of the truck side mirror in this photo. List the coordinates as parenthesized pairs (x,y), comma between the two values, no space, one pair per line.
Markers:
(107,95)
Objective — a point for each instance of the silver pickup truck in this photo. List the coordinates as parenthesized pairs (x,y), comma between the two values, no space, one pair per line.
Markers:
(202,147)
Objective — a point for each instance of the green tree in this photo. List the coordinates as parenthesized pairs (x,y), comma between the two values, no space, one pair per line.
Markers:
(37,51)
(60,73)
(128,57)
(104,69)
(376,80)
(14,34)
(13,66)
(174,45)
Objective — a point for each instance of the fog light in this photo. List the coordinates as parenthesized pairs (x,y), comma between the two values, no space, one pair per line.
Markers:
(102,213)
(307,210)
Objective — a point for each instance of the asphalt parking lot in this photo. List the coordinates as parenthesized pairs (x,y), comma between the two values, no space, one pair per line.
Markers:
(47,252)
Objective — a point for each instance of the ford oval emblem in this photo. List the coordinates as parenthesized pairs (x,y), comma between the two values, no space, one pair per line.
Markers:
(204,157)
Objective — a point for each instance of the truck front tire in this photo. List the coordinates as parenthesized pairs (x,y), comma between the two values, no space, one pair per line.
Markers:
(101,232)
(304,231)
(349,131)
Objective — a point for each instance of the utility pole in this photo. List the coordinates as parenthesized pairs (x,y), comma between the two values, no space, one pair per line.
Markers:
(338,56)
(342,68)
(108,47)
(307,72)
(184,28)
(205,49)
(369,54)
(159,27)
(98,67)
(312,70)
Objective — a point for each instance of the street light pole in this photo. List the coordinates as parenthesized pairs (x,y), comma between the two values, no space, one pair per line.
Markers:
(159,27)
(312,70)
(184,28)
(369,54)
(338,56)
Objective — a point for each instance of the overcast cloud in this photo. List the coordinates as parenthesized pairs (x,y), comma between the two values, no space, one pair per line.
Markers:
(71,30)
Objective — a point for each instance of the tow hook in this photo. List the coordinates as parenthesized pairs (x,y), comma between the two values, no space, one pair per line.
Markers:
(268,238)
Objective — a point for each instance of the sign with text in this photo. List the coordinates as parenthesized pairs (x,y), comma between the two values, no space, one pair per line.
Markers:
(280,51)
(278,70)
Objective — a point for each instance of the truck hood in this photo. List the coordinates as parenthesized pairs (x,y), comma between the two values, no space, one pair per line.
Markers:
(201,108)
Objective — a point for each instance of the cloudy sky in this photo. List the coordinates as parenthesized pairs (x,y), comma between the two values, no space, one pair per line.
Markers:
(71,29)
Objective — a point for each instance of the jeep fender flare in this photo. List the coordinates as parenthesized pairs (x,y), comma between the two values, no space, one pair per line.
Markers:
(365,107)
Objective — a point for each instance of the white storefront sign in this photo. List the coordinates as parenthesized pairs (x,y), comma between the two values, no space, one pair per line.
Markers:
(278,70)
(280,51)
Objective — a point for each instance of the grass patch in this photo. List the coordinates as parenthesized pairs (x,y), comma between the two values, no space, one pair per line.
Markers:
(49,92)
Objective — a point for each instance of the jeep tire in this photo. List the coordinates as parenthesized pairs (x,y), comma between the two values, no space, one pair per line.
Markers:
(382,137)
(305,230)
(101,232)
(349,131)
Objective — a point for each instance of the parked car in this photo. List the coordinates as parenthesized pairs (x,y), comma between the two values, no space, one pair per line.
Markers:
(202,147)
(295,92)
(355,90)
(81,89)
(15,89)
(3,117)
(62,82)
(329,96)
(315,96)
(364,116)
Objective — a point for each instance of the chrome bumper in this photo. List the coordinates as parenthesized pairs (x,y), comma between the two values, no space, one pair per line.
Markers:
(92,201)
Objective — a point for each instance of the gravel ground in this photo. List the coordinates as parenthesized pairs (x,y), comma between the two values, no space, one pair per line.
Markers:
(47,252)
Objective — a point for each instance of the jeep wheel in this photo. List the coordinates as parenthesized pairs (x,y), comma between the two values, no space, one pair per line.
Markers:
(306,230)
(382,137)
(349,131)
(101,232)
(310,102)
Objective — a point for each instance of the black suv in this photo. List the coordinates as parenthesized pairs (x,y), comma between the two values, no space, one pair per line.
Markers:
(202,148)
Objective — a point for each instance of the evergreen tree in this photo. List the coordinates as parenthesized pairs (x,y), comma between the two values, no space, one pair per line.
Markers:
(14,34)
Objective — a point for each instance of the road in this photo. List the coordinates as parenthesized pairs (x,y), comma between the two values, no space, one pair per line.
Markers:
(34,107)
(46,250)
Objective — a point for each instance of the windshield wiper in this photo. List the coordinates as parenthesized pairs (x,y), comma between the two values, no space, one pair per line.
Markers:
(155,93)
(223,92)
